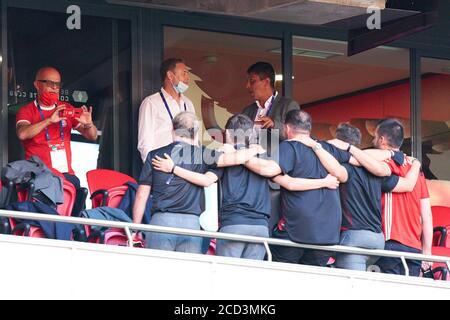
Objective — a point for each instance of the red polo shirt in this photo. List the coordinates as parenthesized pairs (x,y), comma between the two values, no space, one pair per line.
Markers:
(39,146)
(402,219)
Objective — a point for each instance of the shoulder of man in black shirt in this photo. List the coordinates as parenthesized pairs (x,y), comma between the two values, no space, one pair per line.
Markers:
(340,155)
(398,157)
(388,183)
(146,176)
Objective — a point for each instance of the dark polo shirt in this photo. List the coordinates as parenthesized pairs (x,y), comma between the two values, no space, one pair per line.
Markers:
(315,216)
(171,193)
(245,197)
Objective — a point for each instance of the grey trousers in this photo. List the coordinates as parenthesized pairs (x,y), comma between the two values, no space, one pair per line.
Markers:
(236,249)
(173,242)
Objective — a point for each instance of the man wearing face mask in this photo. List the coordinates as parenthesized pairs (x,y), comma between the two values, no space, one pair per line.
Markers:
(158,110)
(45,133)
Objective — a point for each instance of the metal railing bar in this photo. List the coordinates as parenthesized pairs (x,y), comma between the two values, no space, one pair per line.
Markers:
(219,235)
(269,253)
(405,266)
(129,236)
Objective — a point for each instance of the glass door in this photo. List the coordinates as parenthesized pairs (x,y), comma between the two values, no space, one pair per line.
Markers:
(218,64)
(95,65)
(436,119)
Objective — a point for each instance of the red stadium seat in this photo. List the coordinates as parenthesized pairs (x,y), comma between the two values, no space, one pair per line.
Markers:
(7,188)
(101,182)
(441,225)
(64,209)
(107,189)
(440,270)
(70,193)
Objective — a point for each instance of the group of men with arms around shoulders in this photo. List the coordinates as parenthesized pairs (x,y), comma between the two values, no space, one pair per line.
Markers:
(331,192)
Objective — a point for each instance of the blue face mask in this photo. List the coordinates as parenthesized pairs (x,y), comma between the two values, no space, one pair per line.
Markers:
(181,87)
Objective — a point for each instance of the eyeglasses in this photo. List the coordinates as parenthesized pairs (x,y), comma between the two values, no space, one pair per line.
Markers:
(50,83)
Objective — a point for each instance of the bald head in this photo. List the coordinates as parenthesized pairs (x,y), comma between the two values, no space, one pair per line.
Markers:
(48,73)
(47,80)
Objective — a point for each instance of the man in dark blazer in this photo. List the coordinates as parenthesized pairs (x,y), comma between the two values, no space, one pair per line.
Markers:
(268,113)
(270,107)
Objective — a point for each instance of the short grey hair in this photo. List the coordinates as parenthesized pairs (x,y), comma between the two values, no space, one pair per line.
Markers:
(186,125)
(348,133)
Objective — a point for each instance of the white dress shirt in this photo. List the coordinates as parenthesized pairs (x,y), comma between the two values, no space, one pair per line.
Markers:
(263,110)
(155,124)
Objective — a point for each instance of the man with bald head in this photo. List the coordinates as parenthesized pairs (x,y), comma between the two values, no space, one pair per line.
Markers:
(45,133)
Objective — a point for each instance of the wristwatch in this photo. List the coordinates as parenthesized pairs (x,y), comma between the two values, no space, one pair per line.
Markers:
(318,146)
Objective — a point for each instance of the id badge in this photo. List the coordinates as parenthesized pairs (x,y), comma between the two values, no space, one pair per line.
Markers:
(59,158)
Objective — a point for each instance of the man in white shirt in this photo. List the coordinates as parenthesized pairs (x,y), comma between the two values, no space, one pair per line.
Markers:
(158,110)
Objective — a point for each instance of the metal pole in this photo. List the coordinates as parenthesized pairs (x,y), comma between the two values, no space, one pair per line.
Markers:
(416,104)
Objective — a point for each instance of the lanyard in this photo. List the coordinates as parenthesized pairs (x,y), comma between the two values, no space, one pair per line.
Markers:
(47,134)
(167,105)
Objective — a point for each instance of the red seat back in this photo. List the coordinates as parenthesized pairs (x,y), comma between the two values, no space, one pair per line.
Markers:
(441,218)
(113,236)
(440,270)
(106,179)
(22,194)
(440,251)
(114,183)
(115,196)
(64,209)
(70,194)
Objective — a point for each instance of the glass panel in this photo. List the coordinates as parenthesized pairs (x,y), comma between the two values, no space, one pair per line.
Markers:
(95,66)
(361,89)
(436,118)
(3,119)
(218,63)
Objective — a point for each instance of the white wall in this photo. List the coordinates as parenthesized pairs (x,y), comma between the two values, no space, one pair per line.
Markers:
(84,159)
(49,269)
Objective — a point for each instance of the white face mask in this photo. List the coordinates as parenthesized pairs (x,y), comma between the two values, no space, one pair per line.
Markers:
(181,87)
